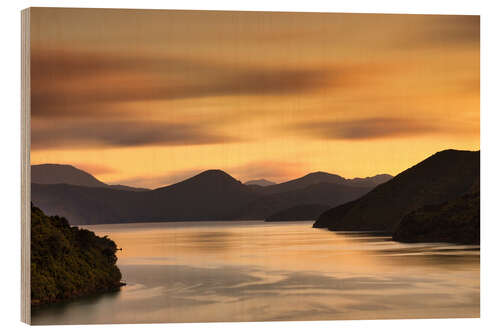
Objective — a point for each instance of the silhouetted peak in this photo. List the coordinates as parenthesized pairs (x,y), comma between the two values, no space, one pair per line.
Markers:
(260,182)
(56,166)
(453,152)
(444,176)
(448,158)
(319,173)
(214,176)
(322,175)
(207,178)
(214,173)
(51,173)
(63,174)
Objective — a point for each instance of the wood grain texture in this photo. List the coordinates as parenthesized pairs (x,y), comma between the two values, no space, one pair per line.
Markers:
(25,166)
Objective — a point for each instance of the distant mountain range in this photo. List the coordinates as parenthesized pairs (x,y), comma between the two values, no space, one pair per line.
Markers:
(260,182)
(68,174)
(274,199)
(210,195)
(435,200)
(325,178)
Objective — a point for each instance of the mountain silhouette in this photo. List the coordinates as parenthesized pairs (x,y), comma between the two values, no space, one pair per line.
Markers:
(324,177)
(63,174)
(370,181)
(329,194)
(68,174)
(260,182)
(128,188)
(210,195)
(204,196)
(445,176)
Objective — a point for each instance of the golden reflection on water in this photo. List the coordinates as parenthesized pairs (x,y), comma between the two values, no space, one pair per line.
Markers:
(256,271)
(291,246)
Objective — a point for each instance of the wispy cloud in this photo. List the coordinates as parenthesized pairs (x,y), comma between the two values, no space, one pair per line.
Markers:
(363,129)
(64,78)
(122,134)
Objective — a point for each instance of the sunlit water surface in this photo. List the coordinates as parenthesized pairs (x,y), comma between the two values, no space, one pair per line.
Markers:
(261,271)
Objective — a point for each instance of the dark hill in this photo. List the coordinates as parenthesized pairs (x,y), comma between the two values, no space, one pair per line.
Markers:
(445,176)
(68,174)
(68,262)
(299,213)
(63,174)
(207,196)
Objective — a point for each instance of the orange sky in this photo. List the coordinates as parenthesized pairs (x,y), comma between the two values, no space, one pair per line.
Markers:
(147,98)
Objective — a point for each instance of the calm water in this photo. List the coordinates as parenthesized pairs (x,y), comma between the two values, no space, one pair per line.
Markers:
(258,271)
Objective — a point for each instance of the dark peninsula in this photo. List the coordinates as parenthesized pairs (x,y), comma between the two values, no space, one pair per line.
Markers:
(436,200)
(69,262)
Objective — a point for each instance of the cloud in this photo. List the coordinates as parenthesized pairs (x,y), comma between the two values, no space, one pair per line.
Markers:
(452,29)
(364,129)
(71,88)
(429,31)
(126,133)
(63,80)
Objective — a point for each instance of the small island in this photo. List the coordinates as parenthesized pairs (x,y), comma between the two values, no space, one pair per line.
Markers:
(69,262)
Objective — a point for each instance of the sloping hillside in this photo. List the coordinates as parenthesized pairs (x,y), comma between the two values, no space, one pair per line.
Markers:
(444,176)
(456,221)
(63,174)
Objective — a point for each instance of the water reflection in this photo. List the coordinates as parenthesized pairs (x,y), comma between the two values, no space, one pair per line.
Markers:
(255,271)
(210,240)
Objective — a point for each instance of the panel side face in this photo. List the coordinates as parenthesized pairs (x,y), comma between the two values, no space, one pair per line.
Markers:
(25,166)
